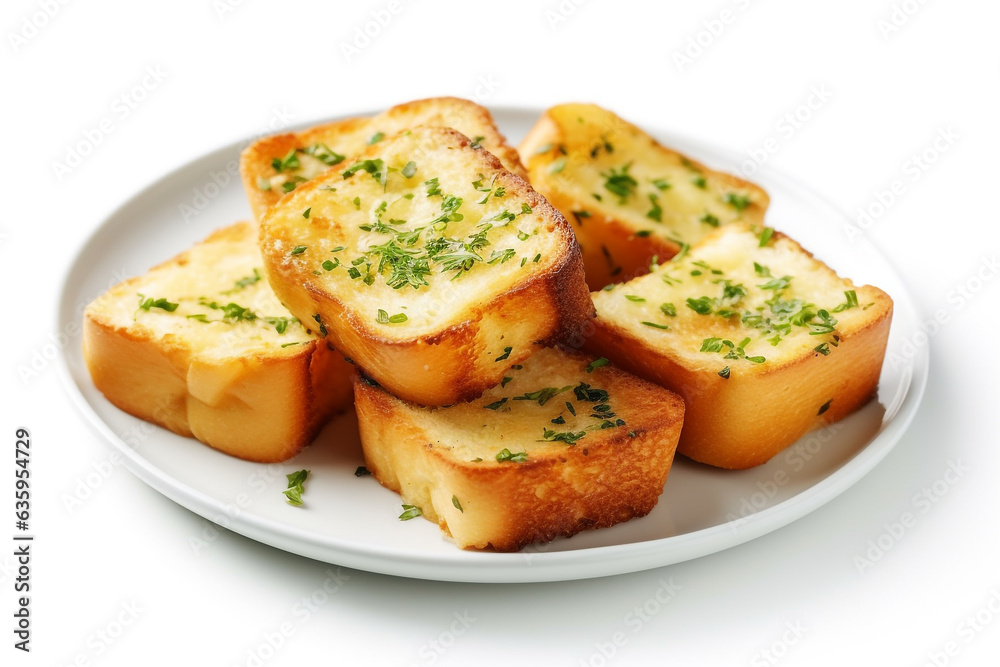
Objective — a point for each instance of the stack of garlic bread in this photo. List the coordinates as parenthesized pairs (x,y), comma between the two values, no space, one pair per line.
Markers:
(457,276)
(447,279)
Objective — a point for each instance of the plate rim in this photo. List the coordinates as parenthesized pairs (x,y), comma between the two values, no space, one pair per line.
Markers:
(525,566)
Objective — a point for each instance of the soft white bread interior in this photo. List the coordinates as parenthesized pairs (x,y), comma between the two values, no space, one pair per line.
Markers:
(762,340)
(629,197)
(275,165)
(427,263)
(566,443)
(201,346)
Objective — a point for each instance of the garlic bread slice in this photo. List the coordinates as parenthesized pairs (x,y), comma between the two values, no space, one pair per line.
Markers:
(201,346)
(276,165)
(762,340)
(630,199)
(428,263)
(565,443)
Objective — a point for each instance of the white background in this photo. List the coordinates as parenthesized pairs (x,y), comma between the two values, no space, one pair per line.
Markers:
(223,73)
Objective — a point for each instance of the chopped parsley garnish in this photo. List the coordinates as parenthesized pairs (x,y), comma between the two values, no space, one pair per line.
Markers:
(476,141)
(292,183)
(852,302)
(323,153)
(712,344)
(597,363)
(288,163)
(506,455)
(557,165)
(245,282)
(295,489)
(506,353)
(145,303)
(823,348)
(765,236)
(322,327)
(305,213)
(633,297)
(496,405)
(619,182)
(709,220)
(501,255)
(376,167)
(280,324)
(661,184)
(410,512)
(409,169)
(702,305)
(569,437)
(732,350)
(655,325)
(543,396)
(458,505)
(432,187)
(668,309)
(656,212)
(584,392)
(826,326)
(298,250)
(777,284)
(737,201)
(699,182)
(375,138)
(384,318)
(724,373)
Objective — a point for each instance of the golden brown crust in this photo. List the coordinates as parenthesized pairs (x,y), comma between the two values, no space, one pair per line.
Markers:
(456,359)
(616,249)
(607,477)
(747,418)
(350,137)
(261,406)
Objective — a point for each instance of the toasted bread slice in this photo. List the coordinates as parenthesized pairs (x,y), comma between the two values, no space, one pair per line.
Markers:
(275,165)
(201,346)
(761,339)
(565,444)
(428,264)
(630,199)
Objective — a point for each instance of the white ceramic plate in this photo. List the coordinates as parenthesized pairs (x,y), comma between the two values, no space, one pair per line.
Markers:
(352,521)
